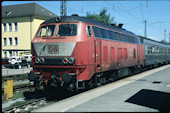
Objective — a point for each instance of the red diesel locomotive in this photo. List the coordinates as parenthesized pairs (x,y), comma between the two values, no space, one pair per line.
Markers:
(76,52)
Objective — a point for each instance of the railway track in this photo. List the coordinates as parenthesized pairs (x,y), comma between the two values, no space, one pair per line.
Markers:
(18,87)
(38,99)
(18,81)
(26,106)
(16,77)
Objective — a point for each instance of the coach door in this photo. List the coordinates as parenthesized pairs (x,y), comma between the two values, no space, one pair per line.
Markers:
(98,54)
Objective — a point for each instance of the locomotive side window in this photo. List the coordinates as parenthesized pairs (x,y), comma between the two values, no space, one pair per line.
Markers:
(107,34)
(103,33)
(88,30)
(67,30)
(46,30)
(130,39)
(122,37)
(117,36)
(96,32)
(111,35)
(136,41)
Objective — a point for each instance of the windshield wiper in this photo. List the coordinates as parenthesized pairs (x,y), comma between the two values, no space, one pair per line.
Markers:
(71,27)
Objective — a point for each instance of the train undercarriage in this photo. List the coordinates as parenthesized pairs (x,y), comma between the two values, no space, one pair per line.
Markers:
(68,80)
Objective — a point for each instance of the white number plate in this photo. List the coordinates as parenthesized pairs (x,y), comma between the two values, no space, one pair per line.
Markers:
(53,49)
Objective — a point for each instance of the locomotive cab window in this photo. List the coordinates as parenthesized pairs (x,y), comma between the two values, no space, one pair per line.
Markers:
(88,30)
(67,30)
(46,30)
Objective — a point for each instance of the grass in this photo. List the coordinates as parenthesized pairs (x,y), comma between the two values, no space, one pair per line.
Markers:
(15,95)
(17,103)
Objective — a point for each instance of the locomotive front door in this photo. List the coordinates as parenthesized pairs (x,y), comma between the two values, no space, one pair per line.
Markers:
(98,54)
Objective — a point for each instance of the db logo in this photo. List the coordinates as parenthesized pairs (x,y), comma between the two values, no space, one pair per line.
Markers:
(53,49)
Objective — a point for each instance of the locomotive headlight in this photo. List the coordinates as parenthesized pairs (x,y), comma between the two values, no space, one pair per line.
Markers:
(71,60)
(41,60)
(37,60)
(65,60)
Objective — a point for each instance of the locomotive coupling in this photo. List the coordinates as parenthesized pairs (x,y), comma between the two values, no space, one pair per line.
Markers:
(57,82)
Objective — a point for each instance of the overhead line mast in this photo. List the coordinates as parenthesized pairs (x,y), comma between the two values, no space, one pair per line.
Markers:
(63,8)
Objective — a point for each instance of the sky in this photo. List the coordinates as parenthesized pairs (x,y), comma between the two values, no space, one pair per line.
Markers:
(131,13)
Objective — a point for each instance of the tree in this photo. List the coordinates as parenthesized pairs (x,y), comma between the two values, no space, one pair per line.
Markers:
(102,17)
(164,42)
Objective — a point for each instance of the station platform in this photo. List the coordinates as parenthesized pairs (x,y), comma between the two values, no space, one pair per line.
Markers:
(144,92)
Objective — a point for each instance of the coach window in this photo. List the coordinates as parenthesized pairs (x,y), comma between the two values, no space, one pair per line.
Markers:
(156,48)
(149,50)
(166,51)
(88,30)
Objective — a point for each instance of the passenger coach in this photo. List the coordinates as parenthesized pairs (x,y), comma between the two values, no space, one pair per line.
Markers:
(155,53)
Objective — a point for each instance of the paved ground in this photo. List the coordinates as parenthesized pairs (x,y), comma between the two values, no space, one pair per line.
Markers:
(148,91)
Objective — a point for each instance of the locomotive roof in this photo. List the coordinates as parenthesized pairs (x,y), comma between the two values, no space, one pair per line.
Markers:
(85,19)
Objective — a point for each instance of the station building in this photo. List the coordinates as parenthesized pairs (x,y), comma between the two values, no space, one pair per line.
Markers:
(19,25)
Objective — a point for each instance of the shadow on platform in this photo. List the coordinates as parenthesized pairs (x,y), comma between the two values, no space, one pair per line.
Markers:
(152,99)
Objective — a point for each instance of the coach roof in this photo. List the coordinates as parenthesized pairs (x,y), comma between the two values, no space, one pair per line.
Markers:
(84,19)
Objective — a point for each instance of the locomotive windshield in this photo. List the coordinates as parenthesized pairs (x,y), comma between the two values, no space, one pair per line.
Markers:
(67,30)
(46,30)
